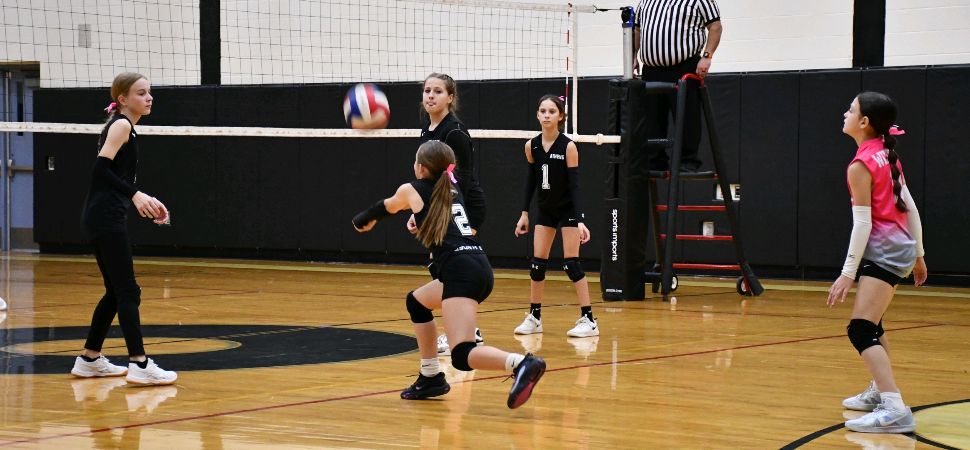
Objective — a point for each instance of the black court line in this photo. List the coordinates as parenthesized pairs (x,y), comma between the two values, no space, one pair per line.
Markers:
(379,393)
(915,436)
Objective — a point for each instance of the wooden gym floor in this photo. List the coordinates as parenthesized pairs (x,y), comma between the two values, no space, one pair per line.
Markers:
(298,355)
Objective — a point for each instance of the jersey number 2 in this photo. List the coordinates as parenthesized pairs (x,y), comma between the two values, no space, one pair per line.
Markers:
(461,219)
(545,177)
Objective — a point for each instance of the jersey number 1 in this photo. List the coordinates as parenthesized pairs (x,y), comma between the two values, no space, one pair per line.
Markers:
(545,177)
(461,219)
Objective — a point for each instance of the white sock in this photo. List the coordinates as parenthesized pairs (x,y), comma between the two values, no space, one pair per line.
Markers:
(893,399)
(512,361)
(429,367)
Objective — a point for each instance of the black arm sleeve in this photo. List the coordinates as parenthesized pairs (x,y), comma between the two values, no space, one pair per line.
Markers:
(572,173)
(530,186)
(377,211)
(102,170)
(461,144)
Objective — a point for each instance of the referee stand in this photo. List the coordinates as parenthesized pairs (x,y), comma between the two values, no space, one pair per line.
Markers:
(632,192)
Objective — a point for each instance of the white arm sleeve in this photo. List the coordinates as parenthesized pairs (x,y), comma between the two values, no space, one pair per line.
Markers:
(913,222)
(861,227)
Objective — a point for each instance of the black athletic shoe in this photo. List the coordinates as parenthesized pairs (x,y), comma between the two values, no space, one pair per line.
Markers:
(426,387)
(526,376)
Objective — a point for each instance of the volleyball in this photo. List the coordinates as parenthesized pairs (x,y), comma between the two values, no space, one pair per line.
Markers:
(365,106)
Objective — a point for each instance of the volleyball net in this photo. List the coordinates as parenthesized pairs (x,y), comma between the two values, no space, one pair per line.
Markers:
(86,43)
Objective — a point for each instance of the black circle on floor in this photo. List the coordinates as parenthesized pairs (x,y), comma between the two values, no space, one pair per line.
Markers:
(261,346)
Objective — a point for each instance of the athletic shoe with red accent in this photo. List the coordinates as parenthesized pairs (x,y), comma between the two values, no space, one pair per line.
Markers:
(526,376)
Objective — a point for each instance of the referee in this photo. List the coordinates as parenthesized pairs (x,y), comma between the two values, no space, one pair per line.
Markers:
(672,42)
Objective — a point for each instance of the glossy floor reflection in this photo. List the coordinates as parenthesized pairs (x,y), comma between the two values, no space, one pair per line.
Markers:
(711,370)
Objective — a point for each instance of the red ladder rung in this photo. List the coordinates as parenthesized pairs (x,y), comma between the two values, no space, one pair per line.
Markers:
(707,266)
(699,237)
(693,208)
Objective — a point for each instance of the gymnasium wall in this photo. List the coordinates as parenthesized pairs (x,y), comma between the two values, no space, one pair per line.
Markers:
(79,45)
(293,198)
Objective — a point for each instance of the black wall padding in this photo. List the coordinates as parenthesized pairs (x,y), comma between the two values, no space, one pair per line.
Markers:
(769,170)
(824,211)
(945,214)
(781,134)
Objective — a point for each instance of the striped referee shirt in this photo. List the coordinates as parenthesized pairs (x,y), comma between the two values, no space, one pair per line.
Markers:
(673,31)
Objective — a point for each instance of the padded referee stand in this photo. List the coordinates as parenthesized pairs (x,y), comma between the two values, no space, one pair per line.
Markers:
(632,189)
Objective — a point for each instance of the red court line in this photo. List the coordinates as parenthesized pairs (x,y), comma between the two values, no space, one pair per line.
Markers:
(374,394)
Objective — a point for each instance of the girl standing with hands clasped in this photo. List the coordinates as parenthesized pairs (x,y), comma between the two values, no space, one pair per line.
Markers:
(103,222)
(885,246)
(464,280)
(554,172)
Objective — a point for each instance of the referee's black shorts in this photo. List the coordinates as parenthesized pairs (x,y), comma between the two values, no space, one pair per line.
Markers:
(467,275)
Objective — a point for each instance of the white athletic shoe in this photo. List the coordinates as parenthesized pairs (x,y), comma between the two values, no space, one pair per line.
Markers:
(584,328)
(100,367)
(884,419)
(445,350)
(866,400)
(151,375)
(3,305)
(529,326)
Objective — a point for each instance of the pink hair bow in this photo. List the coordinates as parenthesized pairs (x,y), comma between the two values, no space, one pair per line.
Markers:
(111,107)
(562,98)
(451,173)
(896,131)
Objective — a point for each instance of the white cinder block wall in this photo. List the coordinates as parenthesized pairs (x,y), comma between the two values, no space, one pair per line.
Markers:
(922,32)
(759,35)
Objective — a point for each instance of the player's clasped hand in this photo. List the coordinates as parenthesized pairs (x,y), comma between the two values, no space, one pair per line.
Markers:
(839,290)
(148,206)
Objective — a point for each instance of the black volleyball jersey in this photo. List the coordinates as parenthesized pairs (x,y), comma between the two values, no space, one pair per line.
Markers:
(106,208)
(452,132)
(458,238)
(552,179)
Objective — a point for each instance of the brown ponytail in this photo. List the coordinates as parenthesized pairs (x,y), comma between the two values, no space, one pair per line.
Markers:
(881,111)
(436,156)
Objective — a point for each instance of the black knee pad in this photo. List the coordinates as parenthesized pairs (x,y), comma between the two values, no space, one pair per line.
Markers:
(433,270)
(574,269)
(419,313)
(538,270)
(863,334)
(459,356)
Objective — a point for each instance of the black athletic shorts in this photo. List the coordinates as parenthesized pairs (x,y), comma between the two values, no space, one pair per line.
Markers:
(467,275)
(870,269)
(564,217)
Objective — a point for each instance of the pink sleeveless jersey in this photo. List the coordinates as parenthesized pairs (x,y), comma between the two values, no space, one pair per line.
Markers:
(890,244)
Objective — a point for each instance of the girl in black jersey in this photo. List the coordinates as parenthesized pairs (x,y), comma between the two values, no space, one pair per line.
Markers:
(465,279)
(103,222)
(440,101)
(554,171)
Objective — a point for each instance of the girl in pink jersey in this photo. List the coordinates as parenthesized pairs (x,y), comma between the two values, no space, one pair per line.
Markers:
(886,245)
